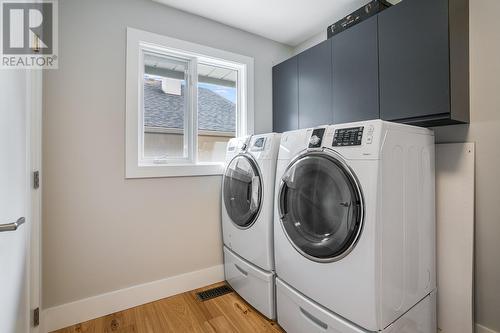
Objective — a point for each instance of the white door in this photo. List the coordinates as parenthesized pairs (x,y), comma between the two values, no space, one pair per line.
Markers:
(14,203)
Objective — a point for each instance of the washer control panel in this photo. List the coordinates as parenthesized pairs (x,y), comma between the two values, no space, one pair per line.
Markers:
(348,137)
(316,138)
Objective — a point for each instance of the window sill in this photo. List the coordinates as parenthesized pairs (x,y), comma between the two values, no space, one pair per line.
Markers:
(175,170)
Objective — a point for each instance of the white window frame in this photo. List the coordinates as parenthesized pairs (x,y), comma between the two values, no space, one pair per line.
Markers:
(138,42)
(189,115)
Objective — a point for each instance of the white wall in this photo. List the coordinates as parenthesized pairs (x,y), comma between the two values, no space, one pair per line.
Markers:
(484,129)
(310,42)
(102,232)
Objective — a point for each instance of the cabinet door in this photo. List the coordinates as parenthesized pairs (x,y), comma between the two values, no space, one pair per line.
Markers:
(355,73)
(315,86)
(285,96)
(414,60)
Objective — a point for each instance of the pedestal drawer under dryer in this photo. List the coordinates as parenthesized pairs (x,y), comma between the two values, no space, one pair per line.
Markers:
(256,286)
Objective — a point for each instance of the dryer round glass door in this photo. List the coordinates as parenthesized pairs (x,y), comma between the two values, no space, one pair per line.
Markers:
(321,206)
(242,191)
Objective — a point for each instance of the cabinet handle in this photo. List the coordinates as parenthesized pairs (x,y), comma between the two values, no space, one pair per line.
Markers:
(242,271)
(12,226)
(313,319)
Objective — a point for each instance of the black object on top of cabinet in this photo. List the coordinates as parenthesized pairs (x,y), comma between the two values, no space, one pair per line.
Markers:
(358,16)
(424,71)
(286,96)
(355,73)
(315,86)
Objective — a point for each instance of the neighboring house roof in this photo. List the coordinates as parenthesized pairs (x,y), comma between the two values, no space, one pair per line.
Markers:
(215,113)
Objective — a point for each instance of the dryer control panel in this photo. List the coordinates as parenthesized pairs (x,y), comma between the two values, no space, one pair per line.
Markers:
(258,144)
(348,137)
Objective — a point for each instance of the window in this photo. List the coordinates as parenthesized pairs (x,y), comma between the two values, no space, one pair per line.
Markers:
(184,103)
(165,109)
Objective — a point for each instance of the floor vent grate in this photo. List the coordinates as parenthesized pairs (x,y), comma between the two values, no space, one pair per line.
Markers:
(214,292)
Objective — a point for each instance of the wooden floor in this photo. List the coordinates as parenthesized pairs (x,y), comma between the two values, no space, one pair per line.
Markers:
(182,313)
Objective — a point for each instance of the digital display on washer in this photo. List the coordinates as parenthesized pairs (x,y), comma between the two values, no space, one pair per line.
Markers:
(348,137)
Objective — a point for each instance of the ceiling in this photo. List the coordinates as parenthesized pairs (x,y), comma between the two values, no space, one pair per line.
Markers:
(290,22)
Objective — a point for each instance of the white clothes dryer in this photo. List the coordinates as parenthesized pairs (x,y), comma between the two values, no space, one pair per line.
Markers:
(247,219)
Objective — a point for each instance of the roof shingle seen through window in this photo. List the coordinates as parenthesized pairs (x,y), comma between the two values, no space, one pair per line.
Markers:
(215,113)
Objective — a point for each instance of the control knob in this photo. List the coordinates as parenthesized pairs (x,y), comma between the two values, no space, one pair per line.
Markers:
(314,140)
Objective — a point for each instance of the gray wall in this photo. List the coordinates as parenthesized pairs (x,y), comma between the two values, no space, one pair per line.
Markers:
(102,232)
(484,130)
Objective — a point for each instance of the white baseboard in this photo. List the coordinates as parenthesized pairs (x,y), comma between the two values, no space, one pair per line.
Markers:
(484,329)
(97,306)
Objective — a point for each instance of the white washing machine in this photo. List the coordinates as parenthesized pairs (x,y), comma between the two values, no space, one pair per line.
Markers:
(247,219)
(355,229)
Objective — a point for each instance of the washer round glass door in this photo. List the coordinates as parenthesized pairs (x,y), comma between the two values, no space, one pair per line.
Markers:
(242,191)
(321,206)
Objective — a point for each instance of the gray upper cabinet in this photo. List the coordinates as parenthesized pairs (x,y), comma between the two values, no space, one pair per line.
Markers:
(286,96)
(355,73)
(423,57)
(409,64)
(315,86)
